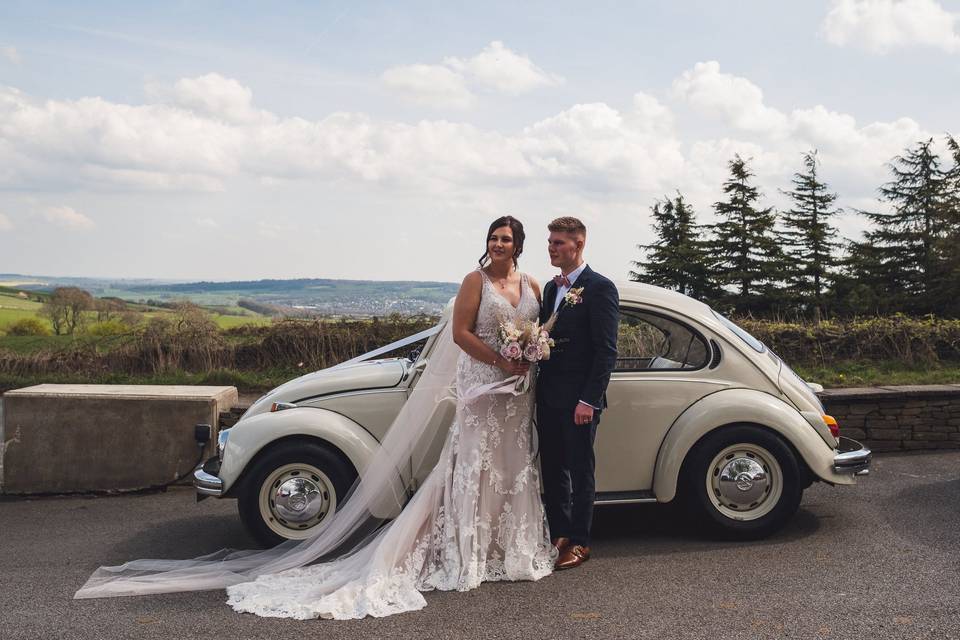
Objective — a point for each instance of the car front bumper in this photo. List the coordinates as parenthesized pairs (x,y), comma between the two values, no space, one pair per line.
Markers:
(205,480)
(852,458)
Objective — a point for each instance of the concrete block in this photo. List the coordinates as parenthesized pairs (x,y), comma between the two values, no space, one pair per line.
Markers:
(79,438)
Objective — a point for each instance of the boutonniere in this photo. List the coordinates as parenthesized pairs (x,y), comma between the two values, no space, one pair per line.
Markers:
(573,297)
(570,298)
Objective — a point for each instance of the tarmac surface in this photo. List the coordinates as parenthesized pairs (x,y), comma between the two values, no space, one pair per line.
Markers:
(879,560)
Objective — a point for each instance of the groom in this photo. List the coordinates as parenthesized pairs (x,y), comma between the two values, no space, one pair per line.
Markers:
(571,387)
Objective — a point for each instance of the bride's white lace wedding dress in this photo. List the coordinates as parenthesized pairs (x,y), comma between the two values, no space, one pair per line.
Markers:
(478,516)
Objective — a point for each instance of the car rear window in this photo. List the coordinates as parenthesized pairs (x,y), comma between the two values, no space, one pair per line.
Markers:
(755,344)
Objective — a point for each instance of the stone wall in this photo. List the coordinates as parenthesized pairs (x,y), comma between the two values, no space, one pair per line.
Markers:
(903,418)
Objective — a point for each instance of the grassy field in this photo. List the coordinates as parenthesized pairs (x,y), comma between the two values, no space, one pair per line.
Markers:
(14,308)
(227,344)
(874,374)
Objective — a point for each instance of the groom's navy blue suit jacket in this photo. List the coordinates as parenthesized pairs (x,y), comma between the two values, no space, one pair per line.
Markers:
(586,344)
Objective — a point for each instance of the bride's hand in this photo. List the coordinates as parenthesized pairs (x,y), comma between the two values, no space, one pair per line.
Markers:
(513,367)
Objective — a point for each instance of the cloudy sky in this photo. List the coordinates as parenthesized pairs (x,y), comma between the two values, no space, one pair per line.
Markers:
(355,139)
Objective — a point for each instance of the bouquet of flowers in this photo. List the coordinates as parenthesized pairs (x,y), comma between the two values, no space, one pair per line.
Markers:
(525,341)
(528,341)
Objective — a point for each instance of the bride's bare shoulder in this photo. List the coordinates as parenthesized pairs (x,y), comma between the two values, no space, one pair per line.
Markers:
(474,279)
(471,285)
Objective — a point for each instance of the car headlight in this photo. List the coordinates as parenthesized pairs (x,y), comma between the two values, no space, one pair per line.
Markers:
(222,443)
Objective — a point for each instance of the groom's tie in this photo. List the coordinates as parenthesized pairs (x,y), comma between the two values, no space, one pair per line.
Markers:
(561,281)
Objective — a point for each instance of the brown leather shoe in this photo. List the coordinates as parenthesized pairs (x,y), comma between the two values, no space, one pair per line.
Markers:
(560,544)
(572,556)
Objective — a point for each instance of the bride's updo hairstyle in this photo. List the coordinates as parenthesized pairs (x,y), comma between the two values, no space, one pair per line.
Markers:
(518,235)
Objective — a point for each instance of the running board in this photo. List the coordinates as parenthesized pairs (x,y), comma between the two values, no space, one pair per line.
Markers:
(624,497)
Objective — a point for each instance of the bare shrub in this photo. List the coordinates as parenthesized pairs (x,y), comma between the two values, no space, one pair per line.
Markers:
(65,309)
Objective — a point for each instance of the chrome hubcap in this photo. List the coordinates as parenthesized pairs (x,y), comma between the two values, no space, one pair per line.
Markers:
(295,498)
(744,481)
(298,500)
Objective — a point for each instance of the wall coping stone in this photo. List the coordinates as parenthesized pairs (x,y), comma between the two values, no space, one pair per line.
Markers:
(893,392)
(123,391)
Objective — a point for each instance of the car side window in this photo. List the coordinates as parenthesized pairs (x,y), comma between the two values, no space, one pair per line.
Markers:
(648,341)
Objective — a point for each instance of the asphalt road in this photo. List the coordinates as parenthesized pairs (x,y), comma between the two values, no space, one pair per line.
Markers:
(879,560)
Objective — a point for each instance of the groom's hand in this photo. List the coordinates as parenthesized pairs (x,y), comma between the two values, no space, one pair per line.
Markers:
(583,414)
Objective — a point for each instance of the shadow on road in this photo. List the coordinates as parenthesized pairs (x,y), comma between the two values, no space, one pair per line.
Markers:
(662,530)
(189,537)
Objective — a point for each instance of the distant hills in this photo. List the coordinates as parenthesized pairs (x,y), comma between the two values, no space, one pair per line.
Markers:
(326,296)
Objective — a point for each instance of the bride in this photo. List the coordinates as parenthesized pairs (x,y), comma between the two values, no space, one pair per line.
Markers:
(478,516)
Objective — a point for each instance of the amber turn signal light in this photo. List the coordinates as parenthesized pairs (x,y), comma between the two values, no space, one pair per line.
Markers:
(834,427)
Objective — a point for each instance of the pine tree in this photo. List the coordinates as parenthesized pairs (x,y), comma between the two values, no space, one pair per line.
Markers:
(945,294)
(900,257)
(808,238)
(745,248)
(677,259)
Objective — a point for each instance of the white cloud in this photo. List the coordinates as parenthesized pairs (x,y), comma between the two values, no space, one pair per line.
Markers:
(207,223)
(93,141)
(5,223)
(501,69)
(10,53)
(218,97)
(429,84)
(452,83)
(736,99)
(880,26)
(67,217)
(603,148)
(739,104)
(593,151)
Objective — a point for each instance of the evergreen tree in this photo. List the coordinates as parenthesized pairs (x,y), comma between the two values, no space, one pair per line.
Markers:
(900,257)
(744,247)
(945,294)
(677,259)
(808,239)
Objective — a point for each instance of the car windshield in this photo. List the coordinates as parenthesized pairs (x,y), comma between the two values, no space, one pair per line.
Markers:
(755,344)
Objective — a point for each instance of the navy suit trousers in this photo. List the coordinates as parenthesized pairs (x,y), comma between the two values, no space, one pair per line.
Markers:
(567,462)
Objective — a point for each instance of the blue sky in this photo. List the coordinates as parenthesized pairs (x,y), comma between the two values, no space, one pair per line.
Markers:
(365,140)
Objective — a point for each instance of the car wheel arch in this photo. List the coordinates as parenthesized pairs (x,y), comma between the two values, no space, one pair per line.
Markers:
(250,438)
(273,445)
(804,468)
(737,407)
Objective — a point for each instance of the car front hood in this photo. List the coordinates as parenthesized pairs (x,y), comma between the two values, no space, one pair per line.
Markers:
(372,374)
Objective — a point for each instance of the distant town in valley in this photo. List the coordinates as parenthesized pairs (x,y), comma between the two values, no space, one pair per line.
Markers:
(304,296)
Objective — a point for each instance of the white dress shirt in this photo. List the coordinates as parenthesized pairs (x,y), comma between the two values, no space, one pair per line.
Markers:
(562,290)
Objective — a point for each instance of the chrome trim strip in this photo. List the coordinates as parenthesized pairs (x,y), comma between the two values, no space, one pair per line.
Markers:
(206,484)
(625,501)
(417,337)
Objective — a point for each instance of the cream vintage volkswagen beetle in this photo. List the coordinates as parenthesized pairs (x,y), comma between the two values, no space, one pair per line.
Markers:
(699,411)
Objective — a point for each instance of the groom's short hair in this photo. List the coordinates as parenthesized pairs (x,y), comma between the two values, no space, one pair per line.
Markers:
(568,224)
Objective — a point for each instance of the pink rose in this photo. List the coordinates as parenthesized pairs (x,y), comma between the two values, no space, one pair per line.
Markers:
(532,352)
(511,351)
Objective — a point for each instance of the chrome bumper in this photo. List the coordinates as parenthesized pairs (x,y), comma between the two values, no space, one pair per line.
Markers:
(205,482)
(852,457)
